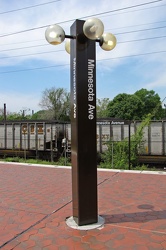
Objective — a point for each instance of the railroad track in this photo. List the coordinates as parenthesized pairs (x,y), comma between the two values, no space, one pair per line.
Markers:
(152,159)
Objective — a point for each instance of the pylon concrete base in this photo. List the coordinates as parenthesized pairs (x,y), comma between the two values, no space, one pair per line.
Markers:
(71,223)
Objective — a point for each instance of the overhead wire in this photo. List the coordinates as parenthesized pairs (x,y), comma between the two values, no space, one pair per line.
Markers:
(142,39)
(63,65)
(38,68)
(28,7)
(136,25)
(29,47)
(66,21)
(141,54)
(14,43)
(32,54)
(133,31)
(55,51)
(120,33)
(45,67)
(37,40)
(126,12)
(124,8)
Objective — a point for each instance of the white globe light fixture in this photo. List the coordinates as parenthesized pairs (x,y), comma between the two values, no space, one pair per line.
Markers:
(54,34)
(107,41)
(93,28)
(67,46)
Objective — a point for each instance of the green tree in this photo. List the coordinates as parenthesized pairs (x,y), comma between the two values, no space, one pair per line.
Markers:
(117,155)
(56,104)
(1,114)
(102,107)
(151,101)
(38,115)
(125,106)
(21,115)
(136,106)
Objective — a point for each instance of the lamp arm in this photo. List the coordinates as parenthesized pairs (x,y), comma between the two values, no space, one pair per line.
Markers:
(70,37)
(100,41)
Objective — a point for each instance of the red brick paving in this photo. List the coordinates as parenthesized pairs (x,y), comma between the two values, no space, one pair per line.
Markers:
(35,201)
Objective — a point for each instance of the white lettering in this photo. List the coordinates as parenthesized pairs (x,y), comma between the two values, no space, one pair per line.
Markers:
(91,67)
(74,87)
(91,90)
(74,110)
(103,123)
(117,123)
(91,111)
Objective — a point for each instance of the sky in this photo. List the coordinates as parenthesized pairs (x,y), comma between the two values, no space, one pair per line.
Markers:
(29,65)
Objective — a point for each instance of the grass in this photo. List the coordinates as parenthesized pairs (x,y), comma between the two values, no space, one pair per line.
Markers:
(61,162)
(65,162)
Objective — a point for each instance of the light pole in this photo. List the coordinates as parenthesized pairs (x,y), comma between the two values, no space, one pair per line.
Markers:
(24,132)
(82,49)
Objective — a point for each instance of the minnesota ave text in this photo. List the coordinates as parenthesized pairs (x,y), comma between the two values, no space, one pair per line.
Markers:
(91,94)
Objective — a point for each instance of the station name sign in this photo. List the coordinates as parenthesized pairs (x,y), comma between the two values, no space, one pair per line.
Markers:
(91,91)
(90,88)
(74,88)
(114,122)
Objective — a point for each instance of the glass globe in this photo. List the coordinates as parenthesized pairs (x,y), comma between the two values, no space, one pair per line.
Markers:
(93,28)
(67,46)
(108,41)
(54,34)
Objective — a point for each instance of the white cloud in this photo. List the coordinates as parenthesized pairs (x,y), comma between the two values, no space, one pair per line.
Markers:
(148,69)
(159,82)
(60,11)
(17,101)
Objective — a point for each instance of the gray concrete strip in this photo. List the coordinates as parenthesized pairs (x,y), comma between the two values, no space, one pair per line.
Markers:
(99,169)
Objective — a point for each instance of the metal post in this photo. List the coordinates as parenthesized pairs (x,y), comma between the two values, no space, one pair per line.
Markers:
(36,139)
(24,146)
(4,111)
(112,155)
(83,132)
(129,148)
(51,145)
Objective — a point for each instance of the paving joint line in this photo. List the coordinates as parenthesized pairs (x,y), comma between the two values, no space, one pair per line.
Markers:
(138,229)
(17,209)
(118,207)
(36,223)
(108,179)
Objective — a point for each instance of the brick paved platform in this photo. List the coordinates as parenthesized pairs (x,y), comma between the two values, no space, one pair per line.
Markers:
(35,201)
